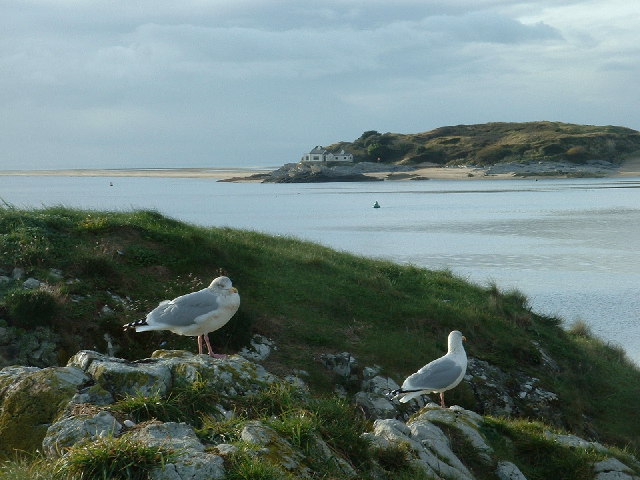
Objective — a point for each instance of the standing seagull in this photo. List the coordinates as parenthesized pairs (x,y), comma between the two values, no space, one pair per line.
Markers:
(194,314)
(439,375)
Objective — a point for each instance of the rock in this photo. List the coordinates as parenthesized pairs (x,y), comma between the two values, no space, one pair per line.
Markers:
(31,283)
(176,436)
(275,447)
(58,408)
(17,273)
(374,399)
(202,466)
(119,377)
(258,350)
(509,471)
(511,394)
(339,363)
(30,399)
(4,279)
(56,274)
(573,441)
(394,432)
(465,421)
(70,430)
(375,406)
(370,372)
(192,462)
(611,465)
(226,449)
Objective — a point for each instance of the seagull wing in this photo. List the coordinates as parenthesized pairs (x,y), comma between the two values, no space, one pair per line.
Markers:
(436,375)
(185,310)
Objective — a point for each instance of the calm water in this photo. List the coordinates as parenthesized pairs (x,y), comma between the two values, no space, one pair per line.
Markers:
(570,245)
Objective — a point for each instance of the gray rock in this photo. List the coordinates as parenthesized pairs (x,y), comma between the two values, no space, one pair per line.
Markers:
(340,363)
(172,435)
(375,406)
(611,465)
(467,422)
(391,432)
(370,372)
(573,441)
(4,279)
(192,462)
(615,476)
(192,466)
(275,447)
(56,274)
(119,377)
(509,471)
(67,431)
(258,350)
(17,273)
(226,449)
(31,283)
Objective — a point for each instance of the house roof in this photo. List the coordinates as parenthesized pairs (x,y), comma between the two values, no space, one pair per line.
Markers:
(318,149)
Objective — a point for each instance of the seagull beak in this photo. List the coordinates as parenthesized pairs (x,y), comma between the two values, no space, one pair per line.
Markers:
(233,290)
(464,338)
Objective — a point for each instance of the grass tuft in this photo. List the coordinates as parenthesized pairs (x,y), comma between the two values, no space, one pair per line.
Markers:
(114,459)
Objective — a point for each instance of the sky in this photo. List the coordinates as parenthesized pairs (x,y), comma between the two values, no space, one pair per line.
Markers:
(219,83)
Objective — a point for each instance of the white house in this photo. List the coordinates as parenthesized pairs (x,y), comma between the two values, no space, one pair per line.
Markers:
(321,155)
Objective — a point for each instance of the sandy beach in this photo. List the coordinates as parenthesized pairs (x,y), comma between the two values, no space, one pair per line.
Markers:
(631,168)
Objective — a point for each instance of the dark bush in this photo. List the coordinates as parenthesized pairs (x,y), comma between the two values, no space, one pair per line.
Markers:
(31,308)
(577,154)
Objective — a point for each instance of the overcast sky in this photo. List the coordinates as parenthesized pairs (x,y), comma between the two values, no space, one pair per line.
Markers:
(198,83)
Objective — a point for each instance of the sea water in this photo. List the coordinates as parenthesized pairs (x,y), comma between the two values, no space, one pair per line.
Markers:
(570,245)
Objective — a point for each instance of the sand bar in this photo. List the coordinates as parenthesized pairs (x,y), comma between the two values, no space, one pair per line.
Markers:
(631,168)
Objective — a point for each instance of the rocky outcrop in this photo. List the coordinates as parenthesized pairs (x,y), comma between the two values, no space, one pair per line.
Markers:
(312,173)
(58,410)
(591,168)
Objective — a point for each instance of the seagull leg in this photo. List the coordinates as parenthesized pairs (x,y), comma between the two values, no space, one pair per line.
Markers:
(211,354)
(200,345)
(442,400)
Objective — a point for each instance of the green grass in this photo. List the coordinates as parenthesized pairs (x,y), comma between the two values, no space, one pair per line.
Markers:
(310,300)
(114,459)
(539,458)
(188,403)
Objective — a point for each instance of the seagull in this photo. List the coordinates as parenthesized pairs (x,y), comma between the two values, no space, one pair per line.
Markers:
(195,314)
(440,375)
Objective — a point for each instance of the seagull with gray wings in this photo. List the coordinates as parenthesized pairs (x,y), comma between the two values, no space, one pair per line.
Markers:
(437,376)
(195,314)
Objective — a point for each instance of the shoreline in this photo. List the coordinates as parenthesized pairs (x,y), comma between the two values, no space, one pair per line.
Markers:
(630,168)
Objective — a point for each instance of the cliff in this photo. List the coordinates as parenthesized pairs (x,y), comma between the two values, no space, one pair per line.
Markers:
(179,416)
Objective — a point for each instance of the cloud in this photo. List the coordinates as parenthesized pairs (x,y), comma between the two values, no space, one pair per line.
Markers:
(125,81)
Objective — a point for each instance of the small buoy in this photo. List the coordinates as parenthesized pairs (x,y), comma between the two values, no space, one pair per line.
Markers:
(376,205)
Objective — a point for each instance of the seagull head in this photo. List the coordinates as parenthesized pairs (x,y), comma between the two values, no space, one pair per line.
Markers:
(223,283)
(454,342)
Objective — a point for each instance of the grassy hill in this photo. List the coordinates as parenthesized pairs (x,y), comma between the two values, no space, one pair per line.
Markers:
(308,298)
(490,143)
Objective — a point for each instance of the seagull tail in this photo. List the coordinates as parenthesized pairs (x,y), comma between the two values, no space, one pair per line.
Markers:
(405,395)
(136,324)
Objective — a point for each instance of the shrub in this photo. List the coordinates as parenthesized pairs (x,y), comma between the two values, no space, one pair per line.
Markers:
(31,308)
(189,403)
(113,458)
(577,154)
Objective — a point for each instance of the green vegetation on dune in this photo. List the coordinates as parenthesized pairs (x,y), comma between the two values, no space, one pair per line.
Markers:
(309,299)
(490,143)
